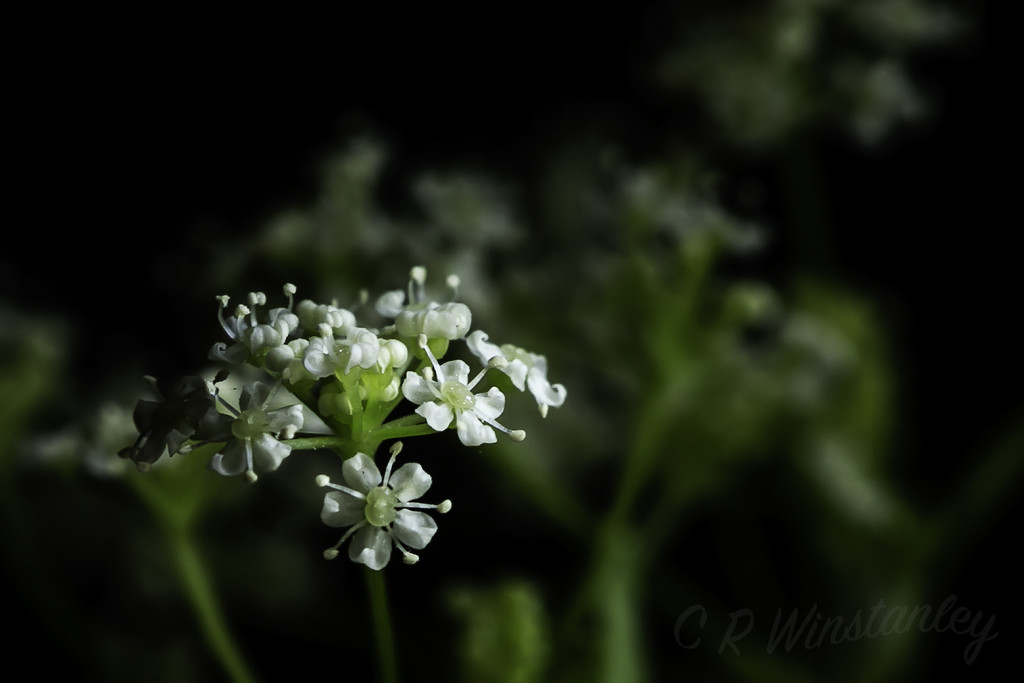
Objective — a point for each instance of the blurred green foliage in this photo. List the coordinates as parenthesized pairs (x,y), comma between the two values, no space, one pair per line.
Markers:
(728,438)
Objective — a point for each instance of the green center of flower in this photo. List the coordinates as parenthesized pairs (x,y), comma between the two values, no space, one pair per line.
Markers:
(249,424)
(380,506)
(457,395)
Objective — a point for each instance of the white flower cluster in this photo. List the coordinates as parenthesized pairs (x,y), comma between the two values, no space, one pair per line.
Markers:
(337,381)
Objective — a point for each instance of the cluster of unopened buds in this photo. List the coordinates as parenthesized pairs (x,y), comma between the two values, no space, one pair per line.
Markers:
(309,376)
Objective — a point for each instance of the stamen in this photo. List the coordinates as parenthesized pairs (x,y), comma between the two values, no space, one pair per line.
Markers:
(332,552)
(543,409)
(422,341)
(289,291)
(453,282)
(250,475)
(442,507)
(224,299)
(407,557)
(479,376)
(514,434)
(322,480)
(395,450)
(256,299)
(417,276)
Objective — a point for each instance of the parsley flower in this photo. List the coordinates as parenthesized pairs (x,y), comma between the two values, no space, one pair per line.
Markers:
(450,398)
(255,430)
(380,511)
(248,334)
(527,370)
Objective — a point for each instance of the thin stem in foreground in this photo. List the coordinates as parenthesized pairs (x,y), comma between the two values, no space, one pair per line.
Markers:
(382,626)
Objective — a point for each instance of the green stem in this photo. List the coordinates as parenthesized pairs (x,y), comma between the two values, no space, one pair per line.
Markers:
(382,626)
(174,515)
(336,443)
(201,595)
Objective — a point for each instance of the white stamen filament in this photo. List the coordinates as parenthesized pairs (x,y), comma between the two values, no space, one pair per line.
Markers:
(322,480)
(355,527)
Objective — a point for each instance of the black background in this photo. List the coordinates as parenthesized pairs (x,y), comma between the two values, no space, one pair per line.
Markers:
(129,152)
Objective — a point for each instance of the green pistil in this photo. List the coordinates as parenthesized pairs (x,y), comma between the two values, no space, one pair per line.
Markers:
(249,424)
(458,395)
(380,506)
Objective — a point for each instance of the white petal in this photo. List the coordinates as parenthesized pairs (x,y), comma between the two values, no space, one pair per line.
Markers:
(389,304)
(545,393)
(481,348)
(414,529)
(417,389)
(410,481)
(288,416)
(341,509)
(268,452)
(454,371)
(517,371)
(489,406)
(371,546)
(473,432)
(449,321)
(360,473)
(231,460)
(438,415)
(234,354)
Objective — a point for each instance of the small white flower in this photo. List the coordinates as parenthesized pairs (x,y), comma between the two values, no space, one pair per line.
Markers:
(444,321)
(312,315)
(527,370)
(255,429)
(449,320)
(324,355)
(450,397)
(249,335)
(379,510)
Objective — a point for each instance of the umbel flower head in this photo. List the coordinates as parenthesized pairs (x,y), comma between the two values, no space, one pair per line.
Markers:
(380,510)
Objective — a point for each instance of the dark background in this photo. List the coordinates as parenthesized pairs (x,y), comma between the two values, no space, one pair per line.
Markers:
(130,156)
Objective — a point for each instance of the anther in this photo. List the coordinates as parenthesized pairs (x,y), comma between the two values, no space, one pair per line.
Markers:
(417,276)
(444,506)
(322,480)
(517,434)
(330,553)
